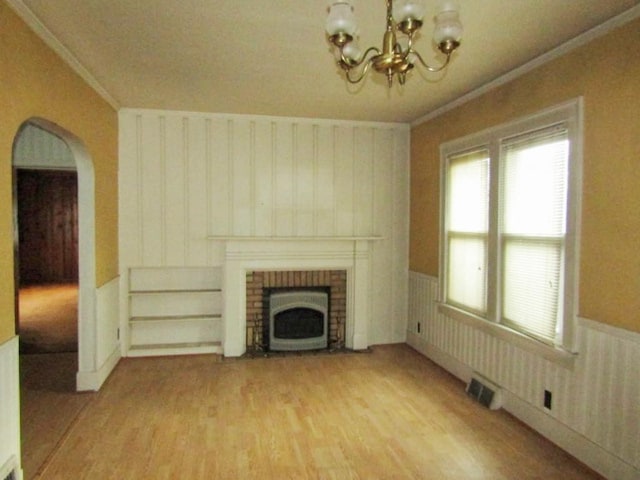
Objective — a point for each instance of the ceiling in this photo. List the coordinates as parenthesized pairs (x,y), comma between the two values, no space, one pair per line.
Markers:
(272,57)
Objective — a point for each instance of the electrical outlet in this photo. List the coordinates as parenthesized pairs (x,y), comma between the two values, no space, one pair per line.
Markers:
(418,327)
(547,399)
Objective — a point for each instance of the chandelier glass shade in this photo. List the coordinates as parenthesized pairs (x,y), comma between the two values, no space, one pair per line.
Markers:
(404,19)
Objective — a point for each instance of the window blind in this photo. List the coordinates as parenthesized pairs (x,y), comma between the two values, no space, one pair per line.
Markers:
(533,200)
(467,224)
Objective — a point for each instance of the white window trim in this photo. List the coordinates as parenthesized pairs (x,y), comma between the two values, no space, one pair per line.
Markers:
(571,114)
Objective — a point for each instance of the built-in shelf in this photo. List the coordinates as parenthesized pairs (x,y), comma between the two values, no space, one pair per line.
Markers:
(162,292)
(152,350)
(175,310)
(175,318)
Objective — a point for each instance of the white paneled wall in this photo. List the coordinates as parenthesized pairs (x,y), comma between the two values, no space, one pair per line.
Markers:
(107,344)
(188,177)
(597,400)
(9,403)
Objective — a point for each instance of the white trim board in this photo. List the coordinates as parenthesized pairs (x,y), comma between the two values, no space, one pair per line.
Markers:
(557,52)
(92,381)
(248,116)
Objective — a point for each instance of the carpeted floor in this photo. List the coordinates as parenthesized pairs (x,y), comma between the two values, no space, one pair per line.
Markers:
(49,318)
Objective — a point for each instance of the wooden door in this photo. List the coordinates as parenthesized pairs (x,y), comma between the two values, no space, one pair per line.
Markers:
(47,226)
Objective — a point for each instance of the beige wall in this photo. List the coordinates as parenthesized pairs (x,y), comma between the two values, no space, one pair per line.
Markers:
(35,82)
(606,72)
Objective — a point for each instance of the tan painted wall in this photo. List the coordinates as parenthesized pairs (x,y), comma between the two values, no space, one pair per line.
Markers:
(606,73)
(35,82)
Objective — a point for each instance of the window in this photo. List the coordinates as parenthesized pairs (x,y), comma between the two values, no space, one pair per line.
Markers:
(509,225)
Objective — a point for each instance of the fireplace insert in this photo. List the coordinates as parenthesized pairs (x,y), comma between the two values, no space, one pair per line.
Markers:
(298,320)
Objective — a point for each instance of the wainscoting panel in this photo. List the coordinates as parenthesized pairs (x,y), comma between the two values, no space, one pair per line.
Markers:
(9,402)
(107,298)
(190,180)
(108,350)
(596,398)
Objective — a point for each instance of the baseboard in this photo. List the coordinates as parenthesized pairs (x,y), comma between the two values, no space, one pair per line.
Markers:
(92,381)
(569,440)
(446,361)
(360,342)
(11,467)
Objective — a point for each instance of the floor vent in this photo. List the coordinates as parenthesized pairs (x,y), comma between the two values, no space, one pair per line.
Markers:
(9,471)
(485,392)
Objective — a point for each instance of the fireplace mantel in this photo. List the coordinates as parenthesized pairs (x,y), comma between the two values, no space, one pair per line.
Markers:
(247,254)
(251,238)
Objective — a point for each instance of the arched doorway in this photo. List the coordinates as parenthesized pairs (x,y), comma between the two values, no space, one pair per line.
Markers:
(86,245)
(49,404)
(47,223)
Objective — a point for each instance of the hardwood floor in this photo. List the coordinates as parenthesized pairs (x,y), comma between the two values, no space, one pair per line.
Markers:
(48,365)
(49,405)
(389,414)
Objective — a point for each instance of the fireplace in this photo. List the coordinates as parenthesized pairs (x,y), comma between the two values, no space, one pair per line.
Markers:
(254,263)
(298,319)
(262,285)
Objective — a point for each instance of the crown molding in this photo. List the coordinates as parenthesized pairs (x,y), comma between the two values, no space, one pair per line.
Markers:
(557,52)
(49,38)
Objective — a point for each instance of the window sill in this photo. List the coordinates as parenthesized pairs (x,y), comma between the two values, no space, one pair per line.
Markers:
(553,354)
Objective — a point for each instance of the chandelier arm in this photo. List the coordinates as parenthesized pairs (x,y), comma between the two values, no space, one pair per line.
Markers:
(364,71)
(356,63)
(429,67)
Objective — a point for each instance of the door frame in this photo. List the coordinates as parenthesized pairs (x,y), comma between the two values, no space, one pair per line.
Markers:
(87,317)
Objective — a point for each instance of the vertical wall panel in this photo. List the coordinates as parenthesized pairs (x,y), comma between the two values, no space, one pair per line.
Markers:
(48,225)
(631,407)
(242,139)
(304,184)
(220,181)
(399,223)
(196,204)
(375,214)
(175,167)
(130,246)
(325,172)
(152,186)
(597,397)
(363,180)
(283,178)
(10,401)
(343,180)
(187,177)
(263,176)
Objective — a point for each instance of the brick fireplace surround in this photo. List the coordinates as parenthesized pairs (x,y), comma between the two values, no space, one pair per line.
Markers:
(258,283)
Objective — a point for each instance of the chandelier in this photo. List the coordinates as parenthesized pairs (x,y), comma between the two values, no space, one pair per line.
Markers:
(397,56)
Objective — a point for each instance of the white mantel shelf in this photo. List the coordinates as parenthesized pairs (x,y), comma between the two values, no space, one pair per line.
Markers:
(293,239)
